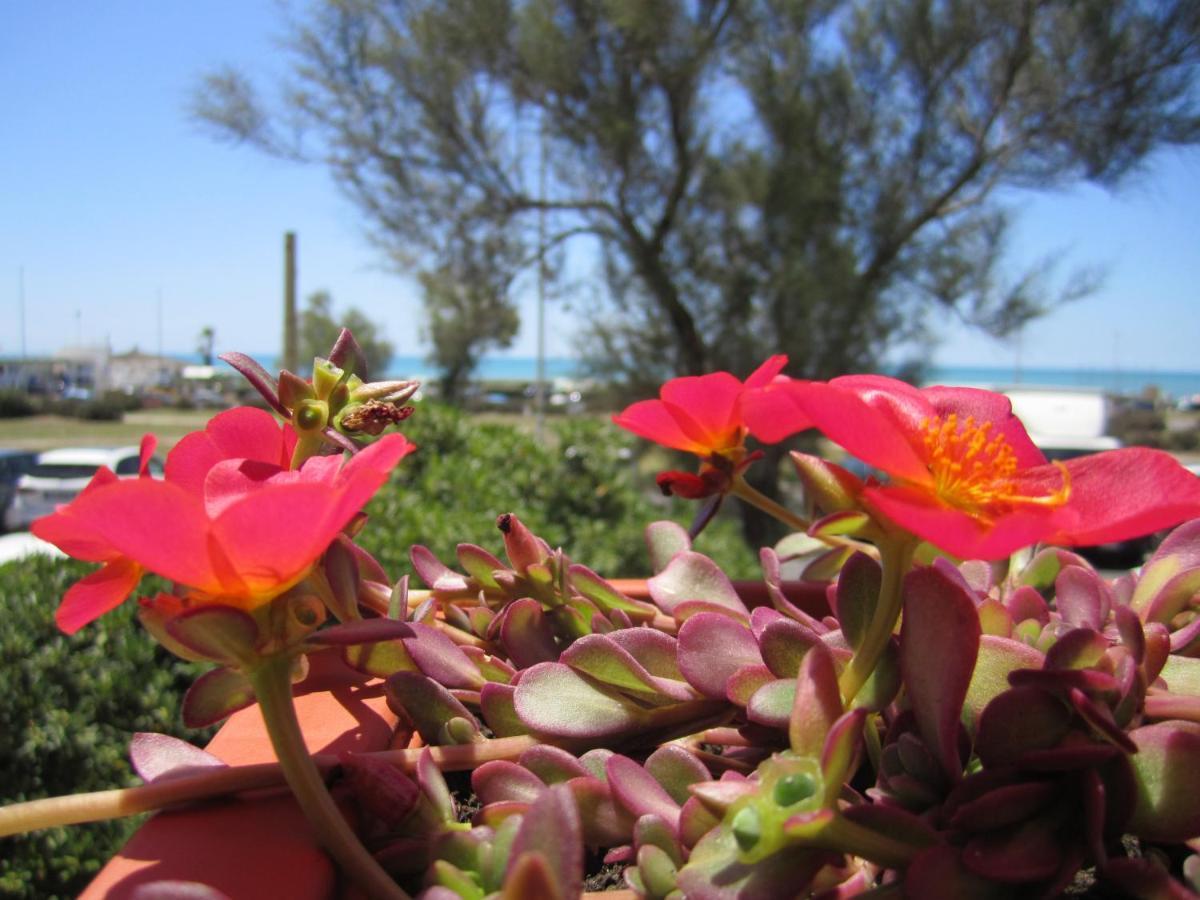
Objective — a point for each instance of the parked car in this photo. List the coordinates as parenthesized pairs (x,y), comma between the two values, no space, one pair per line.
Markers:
(13,464)
(59,475)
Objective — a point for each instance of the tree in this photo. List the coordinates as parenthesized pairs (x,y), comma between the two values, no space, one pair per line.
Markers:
(204,344)
(319,328)
(467,311)
(820,178)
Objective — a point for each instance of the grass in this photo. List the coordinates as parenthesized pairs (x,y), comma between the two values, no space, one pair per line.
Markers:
(48,432)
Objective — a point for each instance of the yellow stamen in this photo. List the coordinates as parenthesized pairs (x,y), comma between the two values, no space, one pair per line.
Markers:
(976,471)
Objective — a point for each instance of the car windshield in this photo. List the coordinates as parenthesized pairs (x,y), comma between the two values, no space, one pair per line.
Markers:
(63,470)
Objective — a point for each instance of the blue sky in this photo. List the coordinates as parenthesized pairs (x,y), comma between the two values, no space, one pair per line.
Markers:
(117,208)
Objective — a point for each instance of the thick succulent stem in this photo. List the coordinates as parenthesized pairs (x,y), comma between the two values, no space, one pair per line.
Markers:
(272,686)
(896,556)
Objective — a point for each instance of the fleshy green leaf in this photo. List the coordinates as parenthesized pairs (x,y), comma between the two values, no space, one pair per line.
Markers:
(215,695)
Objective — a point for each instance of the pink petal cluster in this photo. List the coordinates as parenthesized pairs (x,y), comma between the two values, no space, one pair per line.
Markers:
(229,521)
(965,476)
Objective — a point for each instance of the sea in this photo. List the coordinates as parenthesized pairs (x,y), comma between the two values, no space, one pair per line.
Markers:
(1172,384)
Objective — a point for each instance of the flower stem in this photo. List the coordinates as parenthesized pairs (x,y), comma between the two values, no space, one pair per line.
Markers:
(742,489)
(272,686)
(896,555)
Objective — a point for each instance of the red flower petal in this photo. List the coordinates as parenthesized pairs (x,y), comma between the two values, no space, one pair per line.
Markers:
(93,596)
(987,406)
(1120,494)
(240,433)
(958,532)
(652,420)
(772,412)
(765,374)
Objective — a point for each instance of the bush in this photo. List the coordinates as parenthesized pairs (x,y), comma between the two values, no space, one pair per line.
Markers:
(70,706)
(578,489)
(15,405)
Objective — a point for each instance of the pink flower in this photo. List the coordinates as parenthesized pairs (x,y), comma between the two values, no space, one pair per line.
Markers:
(705,415)
(965,476)
(229,522)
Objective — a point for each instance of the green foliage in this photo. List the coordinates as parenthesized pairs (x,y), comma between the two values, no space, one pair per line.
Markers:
(15,405)
(319,328)
(70,706)
(578,489)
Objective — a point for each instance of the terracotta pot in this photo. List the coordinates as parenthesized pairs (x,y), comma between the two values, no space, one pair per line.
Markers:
(258,846)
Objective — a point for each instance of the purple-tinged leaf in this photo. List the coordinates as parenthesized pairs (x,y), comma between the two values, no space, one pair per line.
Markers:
(656,870)
(523,548)
(712,648)
(1080,648)
(692,576)
(746,681)
(381,659)
(596,762)
(1082,597)
(1070,756)
(346,354)
(260,379)
(829,486)
(695,821)
(715,872)
(719,796)
(1031,851)
(1026,603)
(1173,598)
(636,790)
(1167,780)
(857,596)
(529,875)
(772,576)
(655,651)
(1005,805)
(553,700)
(998,658)
(1018,721)
(605,596)
(898,824)
(433,785)
(341,573)
(1094,810)
(940,623)
(362,631)
(492,668)
(761,617)
(837,524)
(441,659)
(1045,566)
(480,619)
(605,660)
(220,633)
(381,788)
(1060,681)
(1129,628)
(552,764)
(1158,650)
(771,705)
(664,540)
(428,704)
(1186,640)
(652,831)
(826,566)
(939,874)
(436,574)
(551,832)
(527,635)
(160,756)
(499,780)
(978,575)
(676,770)
(1182,675)
(605,824)
(783,646)
(1101,720)
(818,703)
(994,618)
(498,708)
(214,695)
(839,756)
(689,608)
(479,564)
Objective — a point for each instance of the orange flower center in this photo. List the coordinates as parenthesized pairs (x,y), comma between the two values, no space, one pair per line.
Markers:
(976,470)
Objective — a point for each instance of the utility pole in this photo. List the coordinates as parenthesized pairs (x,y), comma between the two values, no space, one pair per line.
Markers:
(291,348)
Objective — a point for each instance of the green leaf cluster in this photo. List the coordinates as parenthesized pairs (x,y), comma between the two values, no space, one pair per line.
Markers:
(578,488)
(71,704)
